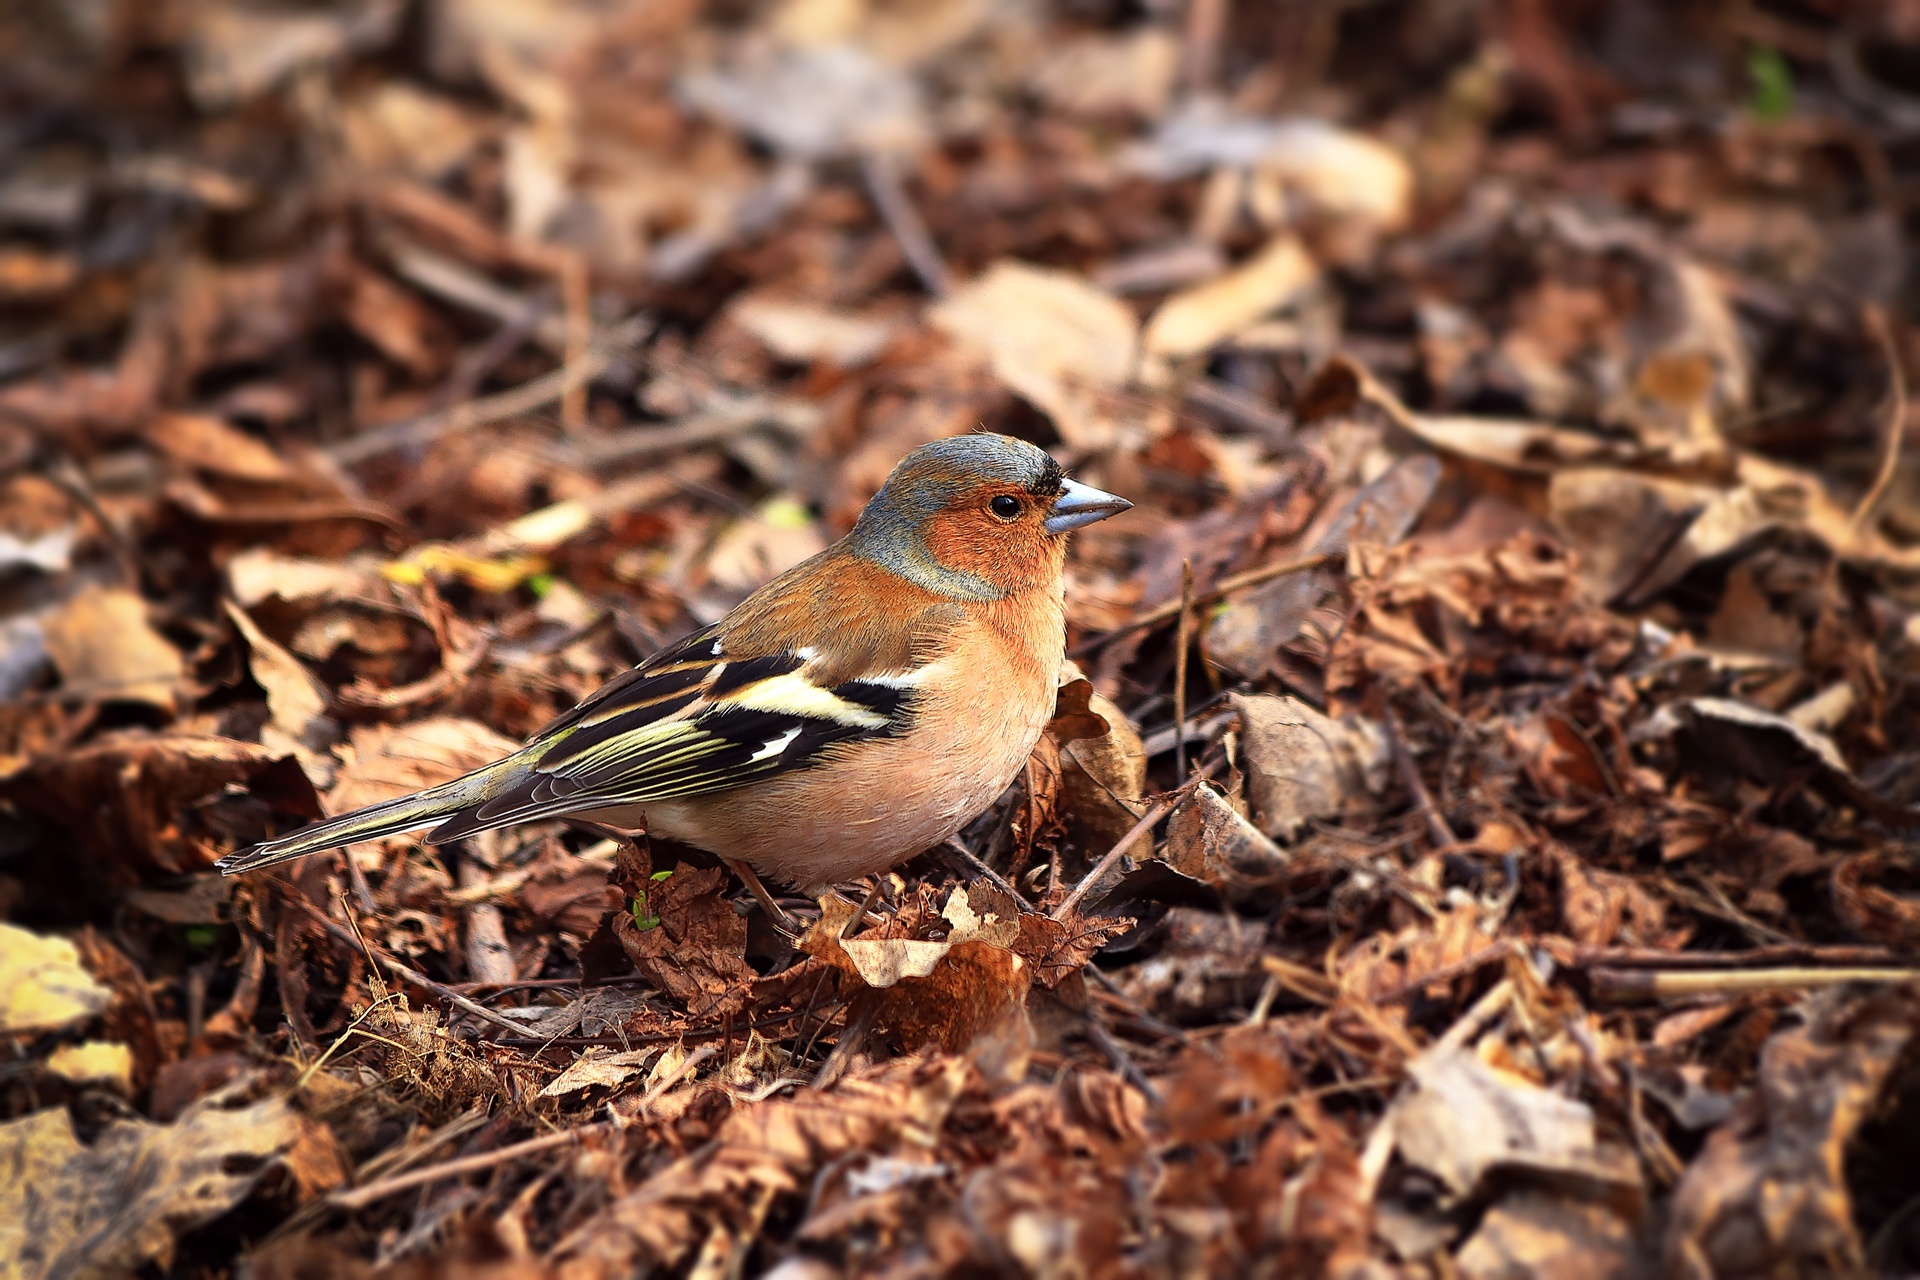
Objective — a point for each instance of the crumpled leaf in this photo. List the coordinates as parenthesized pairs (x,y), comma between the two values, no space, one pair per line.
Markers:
(235,51)
(1249,630)
(1513,443)
(1209,840)
(771,1148)
(1335,172)
(117,1205)
(1103,765)
(803,332)
(165,785)
(105,648)
(94,1062)
(1531,1232)
(1301,764)
(384,762)
(814,103)
(682,934)
(42,984)
(599,1067)
(1768,1193)
(210,444)
(1464,1119)
(1195,319)
(882,962)
(1051,336)
(296,700)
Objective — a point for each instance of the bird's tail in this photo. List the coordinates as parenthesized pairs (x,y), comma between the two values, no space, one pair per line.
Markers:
(414,812)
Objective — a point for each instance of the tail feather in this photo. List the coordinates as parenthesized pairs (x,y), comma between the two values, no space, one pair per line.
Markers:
(416,812)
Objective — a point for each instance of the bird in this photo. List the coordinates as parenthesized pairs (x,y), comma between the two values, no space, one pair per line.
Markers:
(856,710)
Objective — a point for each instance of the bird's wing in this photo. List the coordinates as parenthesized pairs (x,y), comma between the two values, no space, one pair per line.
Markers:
(691,720)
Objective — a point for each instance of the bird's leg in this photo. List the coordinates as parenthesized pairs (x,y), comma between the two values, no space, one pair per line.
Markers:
(781,920)
(873,895)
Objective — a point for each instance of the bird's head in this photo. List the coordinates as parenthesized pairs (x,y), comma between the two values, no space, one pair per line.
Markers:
(977,517)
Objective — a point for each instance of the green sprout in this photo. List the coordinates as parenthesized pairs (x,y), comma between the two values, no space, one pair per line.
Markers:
(1772,81)
(643,918)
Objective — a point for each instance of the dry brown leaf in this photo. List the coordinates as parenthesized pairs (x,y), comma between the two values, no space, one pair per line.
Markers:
(116,1206)
(1517,444)
(295,698)
(384,762)
(682,934)
(209,444)
(105,648)
(773,1148)
(1537,1233)
(164,785)
(42,984)
(1197,319)
(1464,1119)
(599,1068)
(105,1062)
(1301,764)
(1103,771)
(1211,841)
(1107,75)
(1770,1189)
(803,332)
(1051,336)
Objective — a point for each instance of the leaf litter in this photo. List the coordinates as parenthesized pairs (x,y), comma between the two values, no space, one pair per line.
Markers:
(1476,833)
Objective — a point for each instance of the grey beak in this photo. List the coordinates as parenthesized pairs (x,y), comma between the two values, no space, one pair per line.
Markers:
(1080,505)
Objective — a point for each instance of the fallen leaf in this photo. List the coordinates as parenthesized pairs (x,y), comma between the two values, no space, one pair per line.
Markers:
(1104,75)
(1050,336)
(105,648)
(117,1205)
(599,1068)
(1210,841)
(385,762)
(1770,1189)
(1513,443)
(42,984)
(1464,1119)
(803,332)
(1197,319)
(209,444)
(296,700)
(94,1062)
(1531,1232)
(167,789)
(1301,764)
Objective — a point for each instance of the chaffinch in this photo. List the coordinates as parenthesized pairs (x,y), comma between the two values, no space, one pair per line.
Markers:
(858,709)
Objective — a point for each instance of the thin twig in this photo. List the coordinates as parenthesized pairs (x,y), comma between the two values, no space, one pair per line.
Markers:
(405,973)
(1624,986)
(1794,955)
(1876,323)
(1181,644)
(1140,828)
(981,869)
(881,170)
(480,412)
(361,1197)
(1225,587)
(1437,829)
(1120,1058)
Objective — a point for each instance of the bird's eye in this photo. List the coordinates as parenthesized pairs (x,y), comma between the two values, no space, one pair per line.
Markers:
(1005,507)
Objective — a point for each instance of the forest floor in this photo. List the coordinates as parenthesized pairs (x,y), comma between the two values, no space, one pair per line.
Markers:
(1476,835)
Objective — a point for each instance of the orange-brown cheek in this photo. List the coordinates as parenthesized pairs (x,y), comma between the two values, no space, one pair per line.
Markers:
(1012,557)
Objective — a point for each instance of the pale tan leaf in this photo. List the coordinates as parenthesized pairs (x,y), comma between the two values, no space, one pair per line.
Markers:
(42,984)
(105,648)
